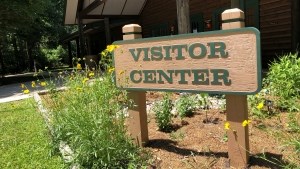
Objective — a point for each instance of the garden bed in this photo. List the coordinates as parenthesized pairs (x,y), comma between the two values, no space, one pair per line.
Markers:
(201,142)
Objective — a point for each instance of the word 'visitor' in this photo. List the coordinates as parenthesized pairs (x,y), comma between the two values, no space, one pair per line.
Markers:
(178,52)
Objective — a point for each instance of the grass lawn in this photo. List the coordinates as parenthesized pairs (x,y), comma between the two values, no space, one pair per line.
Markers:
(25,141)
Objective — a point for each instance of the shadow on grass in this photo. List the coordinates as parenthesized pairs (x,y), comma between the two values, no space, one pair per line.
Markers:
(268,160)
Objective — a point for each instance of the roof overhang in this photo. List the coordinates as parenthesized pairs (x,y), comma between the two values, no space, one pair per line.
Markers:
(96,10)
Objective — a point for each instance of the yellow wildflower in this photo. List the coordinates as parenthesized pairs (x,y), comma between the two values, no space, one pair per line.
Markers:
(260,105)
(110,48)
(43,84)
(227,125)
(78,66)
(79,89)
(22,86)
(110,70)
(91,74)
(85,80)
(103,53)
(33,85)
(246,122)
(26,91)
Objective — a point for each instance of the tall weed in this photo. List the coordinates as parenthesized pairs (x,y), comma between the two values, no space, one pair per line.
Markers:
(90,119)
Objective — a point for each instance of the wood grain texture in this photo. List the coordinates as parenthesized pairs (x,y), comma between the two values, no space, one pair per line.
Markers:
(242,62)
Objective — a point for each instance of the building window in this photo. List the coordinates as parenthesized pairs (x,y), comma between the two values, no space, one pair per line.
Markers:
(197,23)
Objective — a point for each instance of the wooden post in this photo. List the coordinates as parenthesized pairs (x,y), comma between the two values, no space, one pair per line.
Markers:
(81,38)
(77,48)
(107,31)
(137,121)
(183,16)
(70,54)
(236,105)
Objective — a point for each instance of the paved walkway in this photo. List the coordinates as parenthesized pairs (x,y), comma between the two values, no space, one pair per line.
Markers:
(14,92)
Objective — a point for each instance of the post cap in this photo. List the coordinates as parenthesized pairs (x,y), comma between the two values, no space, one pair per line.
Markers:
(132,28)
(232,14)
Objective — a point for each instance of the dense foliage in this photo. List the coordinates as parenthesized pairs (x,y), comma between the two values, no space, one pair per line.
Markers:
(28,29)
(283,82)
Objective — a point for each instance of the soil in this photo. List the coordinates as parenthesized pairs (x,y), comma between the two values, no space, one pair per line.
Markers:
(200,142)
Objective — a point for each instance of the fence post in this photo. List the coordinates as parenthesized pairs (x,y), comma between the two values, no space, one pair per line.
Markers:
(236,105)
(137,121)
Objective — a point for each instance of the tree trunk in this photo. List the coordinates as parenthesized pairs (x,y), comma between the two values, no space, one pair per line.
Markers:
(16,53)
(2,66)
(29,56)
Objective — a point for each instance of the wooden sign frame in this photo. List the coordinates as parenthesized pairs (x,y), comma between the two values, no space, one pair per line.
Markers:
(121,70)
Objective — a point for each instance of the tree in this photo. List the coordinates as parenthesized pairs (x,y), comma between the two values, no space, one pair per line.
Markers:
(27,26)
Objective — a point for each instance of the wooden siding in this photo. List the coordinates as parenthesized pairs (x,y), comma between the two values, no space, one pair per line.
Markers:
(158,12)
(163,13)
(275,28)
(275,22)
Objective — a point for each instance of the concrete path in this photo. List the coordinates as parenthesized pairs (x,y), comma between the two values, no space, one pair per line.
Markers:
(13,92)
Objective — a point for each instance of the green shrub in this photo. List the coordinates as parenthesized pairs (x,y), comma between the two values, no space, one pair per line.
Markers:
(283,82)
(89,118)
(257,105)
(55,56)
(162,110)
(185,106)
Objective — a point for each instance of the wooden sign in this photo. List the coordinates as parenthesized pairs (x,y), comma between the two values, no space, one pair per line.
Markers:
(227,61)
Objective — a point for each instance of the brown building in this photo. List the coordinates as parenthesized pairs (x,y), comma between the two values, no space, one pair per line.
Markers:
(101,21)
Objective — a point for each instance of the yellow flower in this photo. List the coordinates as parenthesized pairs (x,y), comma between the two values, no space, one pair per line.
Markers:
(103,53)
(85,80)
(227,125)
(22,86)
(43,84)
(246,122)
(260,105)
(110,48)
(110,70)
(33,85)
(91,74)
(26,91)
(78,66)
